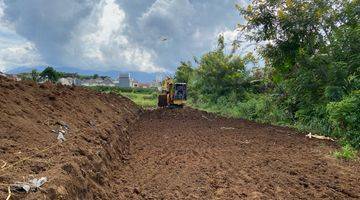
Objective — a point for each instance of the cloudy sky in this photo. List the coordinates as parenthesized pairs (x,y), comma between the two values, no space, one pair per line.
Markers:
(108,35)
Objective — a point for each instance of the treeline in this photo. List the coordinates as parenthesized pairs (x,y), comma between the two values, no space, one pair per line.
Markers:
(50,74)
(311,77)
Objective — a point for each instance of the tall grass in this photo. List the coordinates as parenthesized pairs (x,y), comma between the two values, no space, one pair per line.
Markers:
(145,97)
(262,108)
(144,100)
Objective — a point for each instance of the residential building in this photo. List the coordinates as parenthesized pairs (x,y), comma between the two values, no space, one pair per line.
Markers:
(125,80)
(97,82)
(69,81)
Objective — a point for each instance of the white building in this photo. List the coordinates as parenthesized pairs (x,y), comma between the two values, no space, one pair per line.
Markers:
(125,80)
(69,81)
(97,82)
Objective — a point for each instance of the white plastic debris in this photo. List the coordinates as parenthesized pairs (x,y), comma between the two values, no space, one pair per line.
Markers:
(61,137)
(20,186)
(63,124)
(38,182)
(33,185)
(61,131)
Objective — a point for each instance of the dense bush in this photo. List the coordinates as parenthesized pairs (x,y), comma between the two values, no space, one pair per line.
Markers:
(51,74)
(345,119)
(311,79)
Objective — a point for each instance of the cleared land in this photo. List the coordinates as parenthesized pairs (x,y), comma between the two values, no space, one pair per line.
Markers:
(115,150)
(188,154)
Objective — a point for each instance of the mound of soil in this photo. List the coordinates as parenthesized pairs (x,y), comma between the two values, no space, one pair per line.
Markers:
(189,154)
(94,129)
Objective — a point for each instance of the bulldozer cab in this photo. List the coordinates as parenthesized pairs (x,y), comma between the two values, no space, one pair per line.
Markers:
(173,94)
(180,91)
(179,96)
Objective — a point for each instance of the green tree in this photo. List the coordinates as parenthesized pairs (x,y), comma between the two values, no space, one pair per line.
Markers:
(221,43)
(34,75)
(184,72)
(344,118)
(300,51)
(219,74)
(311,78)
(313,48)
(50,73)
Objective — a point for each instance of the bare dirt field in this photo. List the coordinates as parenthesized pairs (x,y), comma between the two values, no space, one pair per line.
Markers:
(188,154)
(112,149)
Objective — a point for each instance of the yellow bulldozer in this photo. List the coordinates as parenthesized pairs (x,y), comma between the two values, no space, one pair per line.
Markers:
(173,95)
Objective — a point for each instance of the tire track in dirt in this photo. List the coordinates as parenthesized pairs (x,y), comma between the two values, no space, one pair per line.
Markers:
(189,154)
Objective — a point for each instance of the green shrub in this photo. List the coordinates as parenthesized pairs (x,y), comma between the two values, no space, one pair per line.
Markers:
(313,119)
(304,70)
(345,113)
(344,117)
(346,152)
(333,93)
(257,107)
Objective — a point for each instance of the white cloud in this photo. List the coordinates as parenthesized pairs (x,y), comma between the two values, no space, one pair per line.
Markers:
(17,51)
(235,35)
(100,41)
(2,6)
(111,34)
(86,34)
(15,55)
(103,42)
(167,18)
(230,35)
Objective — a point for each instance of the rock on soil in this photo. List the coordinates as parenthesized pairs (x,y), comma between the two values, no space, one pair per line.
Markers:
(96,139)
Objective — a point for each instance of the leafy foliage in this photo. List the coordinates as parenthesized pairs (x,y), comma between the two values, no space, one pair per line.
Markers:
(344,118)
(307,48)
(311,79)
(347,153)
(50,74)
(219,74)
(184,72)
(34,75)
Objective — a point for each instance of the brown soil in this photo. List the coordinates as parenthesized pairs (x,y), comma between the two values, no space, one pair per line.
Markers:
(97,141)
(188,154)
(111,153)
